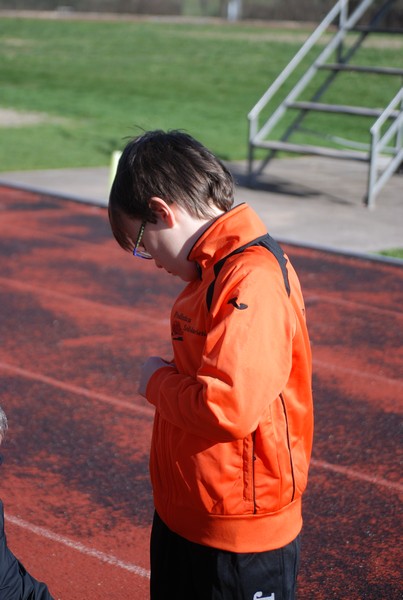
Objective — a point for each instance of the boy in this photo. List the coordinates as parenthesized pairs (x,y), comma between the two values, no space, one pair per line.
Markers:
(233,422)
(15,582)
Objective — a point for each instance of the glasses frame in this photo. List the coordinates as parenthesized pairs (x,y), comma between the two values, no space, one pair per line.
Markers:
(141,253)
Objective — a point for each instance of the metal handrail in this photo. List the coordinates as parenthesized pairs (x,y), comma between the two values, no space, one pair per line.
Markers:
(383,145)
(340,9)
(380,143)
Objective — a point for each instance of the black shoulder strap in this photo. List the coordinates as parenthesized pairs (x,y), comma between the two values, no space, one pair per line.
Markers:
(266,241)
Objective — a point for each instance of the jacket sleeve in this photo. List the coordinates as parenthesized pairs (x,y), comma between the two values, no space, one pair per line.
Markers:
(246,359)
(15,582)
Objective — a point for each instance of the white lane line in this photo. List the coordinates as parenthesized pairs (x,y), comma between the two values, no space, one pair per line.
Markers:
(356,373)
(356,304)
(144,410)
(117,313)
(78,546)
(379,481)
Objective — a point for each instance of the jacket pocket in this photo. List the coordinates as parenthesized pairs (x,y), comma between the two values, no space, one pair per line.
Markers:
(249,473)
(287,438)
(273,467)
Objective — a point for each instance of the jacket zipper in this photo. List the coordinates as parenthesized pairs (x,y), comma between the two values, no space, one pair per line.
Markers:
(289,446)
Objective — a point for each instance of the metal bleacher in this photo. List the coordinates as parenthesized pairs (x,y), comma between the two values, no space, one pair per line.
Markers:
(293,114)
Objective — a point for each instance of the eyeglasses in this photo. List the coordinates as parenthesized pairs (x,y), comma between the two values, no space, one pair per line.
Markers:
(136,251)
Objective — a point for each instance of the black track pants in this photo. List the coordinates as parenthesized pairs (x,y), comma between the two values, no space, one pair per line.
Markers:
(186,571)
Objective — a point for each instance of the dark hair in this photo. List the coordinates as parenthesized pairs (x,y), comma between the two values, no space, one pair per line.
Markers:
(173,166)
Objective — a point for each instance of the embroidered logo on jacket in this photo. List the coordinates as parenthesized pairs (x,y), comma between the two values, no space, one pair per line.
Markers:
(234,302)
(177,332)
(178,328)
(259,596)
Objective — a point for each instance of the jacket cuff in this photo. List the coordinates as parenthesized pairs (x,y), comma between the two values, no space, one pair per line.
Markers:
(154,384)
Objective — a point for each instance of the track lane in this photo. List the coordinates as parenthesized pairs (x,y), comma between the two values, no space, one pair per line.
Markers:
(77,319)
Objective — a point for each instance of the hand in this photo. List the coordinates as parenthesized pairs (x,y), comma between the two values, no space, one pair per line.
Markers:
(151,365)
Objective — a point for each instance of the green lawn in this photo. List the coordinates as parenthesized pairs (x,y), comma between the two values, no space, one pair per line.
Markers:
(106,81)
(394,253)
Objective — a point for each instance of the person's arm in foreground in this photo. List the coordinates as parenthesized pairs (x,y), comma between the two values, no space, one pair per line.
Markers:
(15,582)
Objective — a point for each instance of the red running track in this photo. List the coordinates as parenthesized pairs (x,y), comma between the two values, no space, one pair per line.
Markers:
(77,319)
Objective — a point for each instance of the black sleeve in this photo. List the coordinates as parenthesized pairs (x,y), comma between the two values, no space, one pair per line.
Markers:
(15,582)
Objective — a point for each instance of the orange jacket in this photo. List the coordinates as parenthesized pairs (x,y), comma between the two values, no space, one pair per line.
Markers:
(233,425)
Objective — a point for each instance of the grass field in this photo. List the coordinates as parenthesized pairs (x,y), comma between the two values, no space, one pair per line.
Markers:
(394,252)
(96,83)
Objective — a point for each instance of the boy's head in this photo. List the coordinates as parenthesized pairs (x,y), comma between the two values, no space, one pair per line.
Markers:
(172,166)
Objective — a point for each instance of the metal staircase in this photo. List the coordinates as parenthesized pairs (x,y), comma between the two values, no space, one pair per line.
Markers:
(288,120)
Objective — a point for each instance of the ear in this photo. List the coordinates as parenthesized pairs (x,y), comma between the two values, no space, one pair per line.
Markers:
(163,211)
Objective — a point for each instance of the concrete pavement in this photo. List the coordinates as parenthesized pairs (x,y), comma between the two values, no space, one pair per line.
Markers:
(307,200)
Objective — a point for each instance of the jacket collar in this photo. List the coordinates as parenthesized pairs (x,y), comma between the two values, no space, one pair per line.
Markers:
(231,230)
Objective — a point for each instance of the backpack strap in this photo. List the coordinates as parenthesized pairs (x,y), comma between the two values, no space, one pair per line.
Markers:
(266,241)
